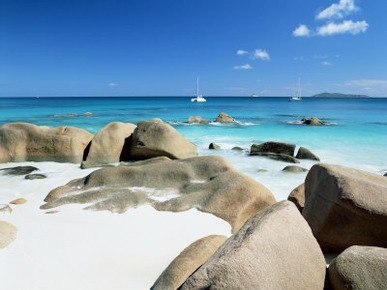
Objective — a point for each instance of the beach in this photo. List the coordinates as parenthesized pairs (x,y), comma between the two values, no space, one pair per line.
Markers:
(69,247)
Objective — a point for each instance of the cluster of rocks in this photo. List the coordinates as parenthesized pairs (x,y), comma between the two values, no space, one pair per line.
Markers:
(282,152)
(222,118)
(23,170)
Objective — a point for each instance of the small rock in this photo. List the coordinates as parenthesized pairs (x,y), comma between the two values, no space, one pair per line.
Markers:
(7,234)
(237,148)
(313,121)
(262,170)
(297,196)
(214,146)
(224,118)
(305,153)
(197,120)
(51,211)
(294,169)
(5,208)
(274,147)
(87,114)
(35,176)
(19,170)
(274,156)
(19,201)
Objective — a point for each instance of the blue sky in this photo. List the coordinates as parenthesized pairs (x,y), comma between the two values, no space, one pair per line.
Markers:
(159,47)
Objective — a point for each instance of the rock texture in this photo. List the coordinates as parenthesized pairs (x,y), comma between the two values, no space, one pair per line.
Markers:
(19,201)
(224,118)
(208,183)
(275,156)
(155,138)
(35,176)
(305,153)
(197,120)
(18,170)
(275,249)
(190,259)
(214,146)
(294,169)
(27,142)
(313,121)
(7,234)
(274,147)
(346,207)
(359,267)
(297,196)
(110,145)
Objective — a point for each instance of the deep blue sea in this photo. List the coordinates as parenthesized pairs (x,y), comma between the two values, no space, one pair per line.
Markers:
(357,136)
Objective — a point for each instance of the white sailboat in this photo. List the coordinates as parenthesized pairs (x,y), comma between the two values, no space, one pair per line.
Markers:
(199,98)
(297,96)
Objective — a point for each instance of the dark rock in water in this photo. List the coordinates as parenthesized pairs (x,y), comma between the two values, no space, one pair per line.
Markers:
(237,148)
(359,267)
(197,120)
(214,146)
(313,121)
(208,183)
(297,196)
(274,147)
(275,249)
(19,170)
(108,145)
(156,138)
(224,118)
(346,207)
(305,153)
(278,157)
(190,259)
(385,174)
(35,176)
(294,169)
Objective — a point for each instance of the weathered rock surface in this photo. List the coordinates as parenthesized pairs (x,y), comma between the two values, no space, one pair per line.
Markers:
(214,146)
(294,169)
(237,148)
(297,196)
(19,201)
(155,138)
(111,144)
(346,207)
(18,170)
(305,153)
(359,267)
(27,142)
(273,147)
(7,234)
(275,156)
(385,174)
(208,183)
(224,118)
(313,121)
(190,259)
(275,249)
(5,208)
(35,176)
(197,120)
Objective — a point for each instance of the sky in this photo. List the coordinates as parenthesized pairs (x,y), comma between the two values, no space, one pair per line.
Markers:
(160,47)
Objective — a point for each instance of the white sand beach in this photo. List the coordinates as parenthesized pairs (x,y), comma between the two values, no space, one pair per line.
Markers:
(83,249)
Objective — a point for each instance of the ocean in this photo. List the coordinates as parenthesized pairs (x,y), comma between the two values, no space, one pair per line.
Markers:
(356,136)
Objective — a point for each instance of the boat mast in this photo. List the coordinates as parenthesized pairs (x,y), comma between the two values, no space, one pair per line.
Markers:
(197,86)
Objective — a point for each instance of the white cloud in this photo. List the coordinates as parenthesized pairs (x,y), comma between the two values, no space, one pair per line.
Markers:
(261,54)
(326,63)
(301,30)
(347,26)
(112,84)
(243,67)
(338,10)
(241,52)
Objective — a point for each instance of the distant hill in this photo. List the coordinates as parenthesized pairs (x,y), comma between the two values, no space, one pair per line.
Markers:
(338,95)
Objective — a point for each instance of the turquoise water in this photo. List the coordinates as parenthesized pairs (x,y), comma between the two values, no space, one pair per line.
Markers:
(357,137)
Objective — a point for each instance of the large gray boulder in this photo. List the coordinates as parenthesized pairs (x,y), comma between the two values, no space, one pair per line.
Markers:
(346,207)
(224,118)
(27,142)
(275,249)
(156,138)
(359,267)
(273,147)
(208,183)
(190,259)
(110,144)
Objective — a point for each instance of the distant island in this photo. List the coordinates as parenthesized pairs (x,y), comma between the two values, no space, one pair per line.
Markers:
(338,95)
